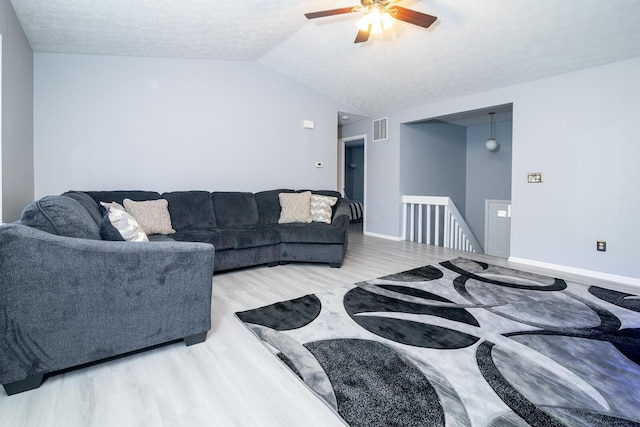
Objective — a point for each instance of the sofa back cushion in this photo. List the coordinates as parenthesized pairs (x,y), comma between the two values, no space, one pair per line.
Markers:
(120,195)
(61,215)
(191,210)
(234,208)
(269,205)
(88,203)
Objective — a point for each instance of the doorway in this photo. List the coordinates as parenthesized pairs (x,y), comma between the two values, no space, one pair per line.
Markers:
(432,148)
(352,178)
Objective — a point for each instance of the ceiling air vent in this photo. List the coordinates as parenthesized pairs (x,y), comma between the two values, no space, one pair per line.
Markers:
(380,129)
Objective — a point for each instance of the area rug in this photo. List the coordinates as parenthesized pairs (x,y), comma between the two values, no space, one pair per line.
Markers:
(463,343)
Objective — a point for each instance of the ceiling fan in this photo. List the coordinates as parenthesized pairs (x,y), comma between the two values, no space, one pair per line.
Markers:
(378,16)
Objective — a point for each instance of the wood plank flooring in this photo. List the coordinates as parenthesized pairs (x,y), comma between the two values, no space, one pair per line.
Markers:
(231,379)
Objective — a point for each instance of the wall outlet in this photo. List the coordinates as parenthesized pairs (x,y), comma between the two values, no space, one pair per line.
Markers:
(601,246)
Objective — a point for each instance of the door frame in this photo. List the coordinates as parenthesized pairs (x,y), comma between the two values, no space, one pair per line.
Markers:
(342,166)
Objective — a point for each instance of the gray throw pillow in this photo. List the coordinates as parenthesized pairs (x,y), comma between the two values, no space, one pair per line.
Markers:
(61,215)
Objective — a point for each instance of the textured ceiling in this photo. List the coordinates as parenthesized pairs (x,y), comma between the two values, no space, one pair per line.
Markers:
(473,46)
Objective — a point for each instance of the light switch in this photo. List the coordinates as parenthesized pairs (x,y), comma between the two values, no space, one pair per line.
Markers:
(534,177)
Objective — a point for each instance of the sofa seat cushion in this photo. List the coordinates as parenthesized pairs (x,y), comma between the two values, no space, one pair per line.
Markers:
(251,237)
(218,238)
(315,232)
(160,238)
(235,208)
(191,209)
(61,215)
(232,238)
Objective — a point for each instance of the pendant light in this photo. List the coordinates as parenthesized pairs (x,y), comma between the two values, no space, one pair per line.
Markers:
(492,145)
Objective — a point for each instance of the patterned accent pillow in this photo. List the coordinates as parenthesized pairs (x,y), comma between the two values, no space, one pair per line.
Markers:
(152,215)
(296,207)
(118,225)
(321,208)
(115,205)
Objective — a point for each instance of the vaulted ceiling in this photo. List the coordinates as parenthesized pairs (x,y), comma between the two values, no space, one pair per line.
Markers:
(475,45)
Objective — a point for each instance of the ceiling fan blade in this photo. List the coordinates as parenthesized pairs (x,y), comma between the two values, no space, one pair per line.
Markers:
(362,36)
(331,12)
(413,17)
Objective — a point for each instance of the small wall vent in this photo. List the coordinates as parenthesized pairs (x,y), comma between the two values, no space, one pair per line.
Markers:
(380,129)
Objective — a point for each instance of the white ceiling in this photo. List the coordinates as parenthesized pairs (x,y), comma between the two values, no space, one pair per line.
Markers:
(475,45)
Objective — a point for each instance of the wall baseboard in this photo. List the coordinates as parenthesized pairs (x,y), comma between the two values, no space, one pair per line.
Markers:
(383,236)
(582,272)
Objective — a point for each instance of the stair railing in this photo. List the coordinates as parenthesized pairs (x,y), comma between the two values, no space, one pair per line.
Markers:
(438,223)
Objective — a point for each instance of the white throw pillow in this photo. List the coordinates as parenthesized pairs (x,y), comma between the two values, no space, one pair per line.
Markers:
(296,207)
(152,215)
(124,224)
(321,208)
(114,205)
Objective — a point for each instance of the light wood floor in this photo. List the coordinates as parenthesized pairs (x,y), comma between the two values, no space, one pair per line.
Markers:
(231,379)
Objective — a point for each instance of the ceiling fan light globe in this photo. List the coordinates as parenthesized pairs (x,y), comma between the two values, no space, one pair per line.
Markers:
(375,19)
(387,20)
(364,22)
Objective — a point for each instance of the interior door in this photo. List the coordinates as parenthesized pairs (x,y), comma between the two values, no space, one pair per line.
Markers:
(497,234)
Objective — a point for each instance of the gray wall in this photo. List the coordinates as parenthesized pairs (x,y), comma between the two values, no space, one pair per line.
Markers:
(106,122)
(433,161)
(488,174)
(382,177)
(17,176)
(578,129)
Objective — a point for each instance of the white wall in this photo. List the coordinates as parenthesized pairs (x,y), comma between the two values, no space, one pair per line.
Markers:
(165,124)
(16,141)
(579,129)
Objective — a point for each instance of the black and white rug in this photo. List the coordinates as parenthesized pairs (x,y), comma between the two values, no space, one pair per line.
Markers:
(463,343)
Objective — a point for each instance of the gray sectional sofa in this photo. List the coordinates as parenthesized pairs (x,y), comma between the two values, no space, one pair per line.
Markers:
(68,298)
(243,227)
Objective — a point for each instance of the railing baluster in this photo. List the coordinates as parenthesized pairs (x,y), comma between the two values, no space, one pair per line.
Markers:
(420,223)
(428,224)
(413,223)
(437,230)
(447,227)
(444,227)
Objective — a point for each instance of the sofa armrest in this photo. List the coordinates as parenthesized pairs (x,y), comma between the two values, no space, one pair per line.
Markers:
(67,301)
(341,215)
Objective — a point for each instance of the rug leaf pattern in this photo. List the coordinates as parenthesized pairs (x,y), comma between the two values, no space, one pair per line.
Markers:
(463,343)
